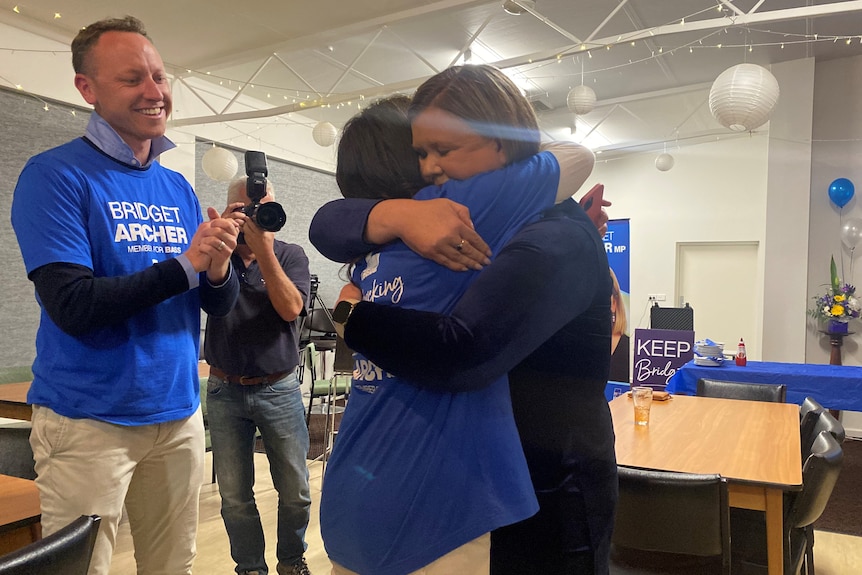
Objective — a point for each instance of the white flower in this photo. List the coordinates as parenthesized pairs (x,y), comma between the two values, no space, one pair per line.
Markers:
(853,303)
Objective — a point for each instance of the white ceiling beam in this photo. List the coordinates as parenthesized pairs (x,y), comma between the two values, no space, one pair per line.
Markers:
(412,50)
(666,30)
(756,6)
(194,92)
(355,60)
(671,29)
(290,69)
(733,8)
(606,20)
(354,72)
(405,86)
(245,85)
(636,20)
(547,22)
(469,42)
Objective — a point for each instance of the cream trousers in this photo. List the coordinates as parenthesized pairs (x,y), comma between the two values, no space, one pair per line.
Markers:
(87,467)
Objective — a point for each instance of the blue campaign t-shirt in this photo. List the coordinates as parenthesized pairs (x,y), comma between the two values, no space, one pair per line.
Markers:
(417,473)
(74,204)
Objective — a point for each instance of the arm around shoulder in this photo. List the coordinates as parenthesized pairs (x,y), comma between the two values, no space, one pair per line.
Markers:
(338,229)
(576,165)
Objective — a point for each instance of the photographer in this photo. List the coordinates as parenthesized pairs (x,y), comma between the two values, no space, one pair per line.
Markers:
(253,355)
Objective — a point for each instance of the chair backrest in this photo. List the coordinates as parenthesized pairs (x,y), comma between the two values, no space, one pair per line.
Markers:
(742,390)
(16,455)
(343,364)
(822,421)
(319,323)
(66,551)
(809,411)
(318,329)
(819,475)
(809,404)
(681,513)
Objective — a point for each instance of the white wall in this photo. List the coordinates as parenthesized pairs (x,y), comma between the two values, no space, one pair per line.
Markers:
(715,192)
(787,198)
(836,149)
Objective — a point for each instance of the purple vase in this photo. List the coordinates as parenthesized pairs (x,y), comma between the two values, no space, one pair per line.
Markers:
(836,326)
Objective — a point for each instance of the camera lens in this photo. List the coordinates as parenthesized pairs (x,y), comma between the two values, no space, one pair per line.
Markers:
(270,216)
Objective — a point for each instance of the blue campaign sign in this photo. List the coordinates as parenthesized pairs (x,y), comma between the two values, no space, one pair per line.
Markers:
(617,246)
(659,353)
(616,242)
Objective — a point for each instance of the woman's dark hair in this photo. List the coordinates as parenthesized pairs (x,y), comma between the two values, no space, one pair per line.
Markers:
(488,101)
(87,38)
(375,153)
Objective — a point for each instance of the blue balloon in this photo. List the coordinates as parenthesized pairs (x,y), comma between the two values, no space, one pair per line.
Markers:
(841,191)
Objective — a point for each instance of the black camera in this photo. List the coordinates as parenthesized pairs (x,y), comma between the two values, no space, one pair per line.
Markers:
(268,216)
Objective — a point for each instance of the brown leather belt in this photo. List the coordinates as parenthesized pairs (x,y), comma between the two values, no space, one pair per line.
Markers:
(244,380)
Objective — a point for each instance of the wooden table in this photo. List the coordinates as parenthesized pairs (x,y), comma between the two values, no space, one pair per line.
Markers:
(13,396)
(19,513)
(754,445)
(13,400)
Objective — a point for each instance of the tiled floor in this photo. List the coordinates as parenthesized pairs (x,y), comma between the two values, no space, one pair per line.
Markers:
(834,554)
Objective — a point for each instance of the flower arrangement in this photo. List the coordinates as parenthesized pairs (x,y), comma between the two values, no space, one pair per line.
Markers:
(839,303)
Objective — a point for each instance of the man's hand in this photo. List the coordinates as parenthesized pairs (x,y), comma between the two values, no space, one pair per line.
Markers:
(439,230)
(259,241)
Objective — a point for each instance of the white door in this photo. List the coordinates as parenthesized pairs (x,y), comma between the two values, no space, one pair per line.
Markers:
(718,279)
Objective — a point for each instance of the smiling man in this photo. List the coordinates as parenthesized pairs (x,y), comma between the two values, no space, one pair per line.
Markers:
(122,263)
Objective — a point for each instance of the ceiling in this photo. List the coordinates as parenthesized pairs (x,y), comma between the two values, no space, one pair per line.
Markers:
(256,65)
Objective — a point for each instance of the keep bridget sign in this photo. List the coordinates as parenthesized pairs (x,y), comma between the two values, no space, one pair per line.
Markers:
(659,353)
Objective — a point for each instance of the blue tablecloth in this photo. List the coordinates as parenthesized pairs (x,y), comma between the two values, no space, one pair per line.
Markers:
(834,386)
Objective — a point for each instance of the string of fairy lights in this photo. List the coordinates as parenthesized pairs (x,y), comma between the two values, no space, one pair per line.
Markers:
(587,50)
(579,54)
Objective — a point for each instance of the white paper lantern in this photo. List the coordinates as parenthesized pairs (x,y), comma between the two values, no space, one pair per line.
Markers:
(742,97)
(581,99)
(219,164)
(324,134)
(664,162)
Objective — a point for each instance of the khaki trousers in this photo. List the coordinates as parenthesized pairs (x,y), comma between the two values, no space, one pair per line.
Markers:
(472,558)
(87,467)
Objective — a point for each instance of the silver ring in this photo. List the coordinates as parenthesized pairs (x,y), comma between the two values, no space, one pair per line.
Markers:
(220,246)
(460,246)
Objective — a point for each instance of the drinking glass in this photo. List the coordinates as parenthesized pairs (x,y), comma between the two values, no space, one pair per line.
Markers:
(642,399)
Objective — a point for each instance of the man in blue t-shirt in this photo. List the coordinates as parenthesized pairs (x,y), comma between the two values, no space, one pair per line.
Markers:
(122,264)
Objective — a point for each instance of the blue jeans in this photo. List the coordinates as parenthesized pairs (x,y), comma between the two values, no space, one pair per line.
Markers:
(234,413)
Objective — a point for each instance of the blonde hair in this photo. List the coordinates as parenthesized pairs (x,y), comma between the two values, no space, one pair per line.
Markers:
(620,322)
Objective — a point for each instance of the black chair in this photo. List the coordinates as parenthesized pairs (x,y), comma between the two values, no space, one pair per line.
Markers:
(809,412)
(16,455)
(801,510)
(671,523)
(67,551)
(821,421)
(318,329)
(741,390)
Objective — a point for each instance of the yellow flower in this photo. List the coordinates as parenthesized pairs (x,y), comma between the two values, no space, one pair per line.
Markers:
(839,297)
(837,310)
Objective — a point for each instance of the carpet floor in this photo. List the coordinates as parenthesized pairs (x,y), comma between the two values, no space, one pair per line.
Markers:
(843,513)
